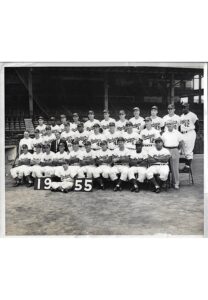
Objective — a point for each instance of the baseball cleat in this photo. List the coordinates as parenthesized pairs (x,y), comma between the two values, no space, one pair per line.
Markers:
(157,190)
(17,183)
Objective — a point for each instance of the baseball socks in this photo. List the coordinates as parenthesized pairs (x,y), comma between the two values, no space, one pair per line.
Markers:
(135,186)
(118,185)
(156,185)
(17,181)
(100,182)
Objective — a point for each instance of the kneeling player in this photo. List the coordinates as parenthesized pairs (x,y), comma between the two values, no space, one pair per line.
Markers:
(23,167)
(66,183)
(158,159)
(120,158)
(138,166)
(103,160)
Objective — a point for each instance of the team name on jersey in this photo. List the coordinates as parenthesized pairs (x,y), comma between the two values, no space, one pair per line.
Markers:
(148,137)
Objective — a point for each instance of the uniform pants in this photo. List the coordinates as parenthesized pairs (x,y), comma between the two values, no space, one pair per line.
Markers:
(48,171)
(75,170)
(64,185)
(141,171)
(103,170)
(20,171)
(161,170)
(174,165)
(189,142)
(115,170)
(89,170)
(36,171)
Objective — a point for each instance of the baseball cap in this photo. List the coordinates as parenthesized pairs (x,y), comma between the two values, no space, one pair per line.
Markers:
(139,142)
(147,119)
(52,118)
(47,146)
(38,146)
(103,142)
(48,127)
(62,116)
(171,106)
(67,124)
(154,107)
(121,139)
(91,112)
(87,143)
(136,108)
(129,123)
(158,140)
(75,115)
(61,144)
(37,131)
(75,142)
(24,146)
(96,125)
(121,112)
(112,124)
(40,118)
(80,124)
(106,111)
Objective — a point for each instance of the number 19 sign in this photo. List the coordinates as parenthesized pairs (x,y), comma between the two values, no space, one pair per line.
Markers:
(42,183)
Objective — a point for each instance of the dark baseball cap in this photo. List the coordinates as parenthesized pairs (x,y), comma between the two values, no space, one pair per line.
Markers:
(91,112)
(158,140)
(103,142)
(75,115)
(96,125)
(61,144)
(147,119)
(40,118)
(75,142)
(112,124)
(136,108)
(37,130)
(121,139)
(47,146)
(87,143)
(171,106)
(62,116)
(154,107)
(80,124)
(48,127)
(67,124)
(121,112)
(139,142)
(38,146)
(129,123)
(24,146)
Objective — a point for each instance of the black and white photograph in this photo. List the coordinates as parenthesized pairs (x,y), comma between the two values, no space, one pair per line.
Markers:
(104,149)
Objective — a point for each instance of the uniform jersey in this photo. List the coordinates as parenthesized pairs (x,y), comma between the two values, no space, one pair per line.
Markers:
(142,155)
(60,156)
(121,125)
(55,128)
(89,124)
(172,138)
(73,127)
(95,140)
(75,155)
(138,123)
(65,175)
(158,153)
(103,155)
(130,139)
(81,137)
(48,157)
(41,128)
(37,141)
(117,153)
(84,155)
(67,135)
(105,124)
(27,142)
(36,157)
(62,127)
(111,139)
(157,123)
(175,119)
(49,138)
(188,121)
(23,157)
(149,136)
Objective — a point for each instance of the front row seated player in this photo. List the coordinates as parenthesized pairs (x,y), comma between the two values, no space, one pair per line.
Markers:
(158,158)
(67,182)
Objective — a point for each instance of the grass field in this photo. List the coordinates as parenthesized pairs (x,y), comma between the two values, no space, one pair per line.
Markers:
(30,212)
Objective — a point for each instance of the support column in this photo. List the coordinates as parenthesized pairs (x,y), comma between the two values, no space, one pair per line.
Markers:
(106,87)
(200,78)
(30,92)
(172,89)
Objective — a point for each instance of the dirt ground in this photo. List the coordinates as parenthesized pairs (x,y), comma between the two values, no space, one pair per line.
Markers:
(30,212)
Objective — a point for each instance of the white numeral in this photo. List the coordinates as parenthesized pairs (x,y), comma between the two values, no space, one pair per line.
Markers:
(78,185)
(88,185)
(47,183)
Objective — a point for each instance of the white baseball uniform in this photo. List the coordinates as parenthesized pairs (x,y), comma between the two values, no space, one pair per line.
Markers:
(88,169)
(189,134)
(121,125)
(103,169)
(47,139)
(138,170)
(36,141)
(81,137)
(118,167)
(55,128)
(105,124)
(67,181)
(160,168)
(62,127)
(138,123)
(73,127)
(22,170)
(148,136)
(130,139)
(36,168)
(74,167)
(157,123)
(27,142)
(175,119)
(48,170)
(95,140)
(89,124)
(41,128)
(112,138)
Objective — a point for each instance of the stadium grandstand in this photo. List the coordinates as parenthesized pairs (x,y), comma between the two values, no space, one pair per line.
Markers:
(51,91)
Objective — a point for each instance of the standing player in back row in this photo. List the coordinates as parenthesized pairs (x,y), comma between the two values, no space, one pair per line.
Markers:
(121,123)
(90,123)
(137,121)
(189,126)
(175,119)
(105,122)
(157,122)
(149,134)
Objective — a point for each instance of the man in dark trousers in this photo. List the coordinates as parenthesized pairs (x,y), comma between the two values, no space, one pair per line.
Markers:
(55,143)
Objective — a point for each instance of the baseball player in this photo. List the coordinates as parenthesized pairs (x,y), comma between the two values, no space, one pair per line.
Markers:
(73,159)
(121,123)
(105,122)
(173,141)
(54,126)
(67,135)
(171,116)
(112,136)
(149,134)
(63,122)
(130,136)
(76,121)
(23,167)
(137,121)
(81,135)
(26,140)
(37,140)
(103,161)
(96,137)
(35,162)
(157,122)
(41,126)
(138,167)
(158,158)
(120,159)
(189,126)
(66,183)
(87,161)
(60,156)
(47,162)
(90,123)
(49,136)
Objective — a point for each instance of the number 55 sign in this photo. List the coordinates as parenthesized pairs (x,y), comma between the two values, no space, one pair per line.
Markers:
(83,185)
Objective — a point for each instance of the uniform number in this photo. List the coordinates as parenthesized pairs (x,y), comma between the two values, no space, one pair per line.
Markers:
(42,183)
(83,185)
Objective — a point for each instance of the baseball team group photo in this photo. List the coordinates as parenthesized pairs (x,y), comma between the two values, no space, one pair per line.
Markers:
(104,150)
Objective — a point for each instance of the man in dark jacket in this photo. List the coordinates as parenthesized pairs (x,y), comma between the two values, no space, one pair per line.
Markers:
(55,143)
